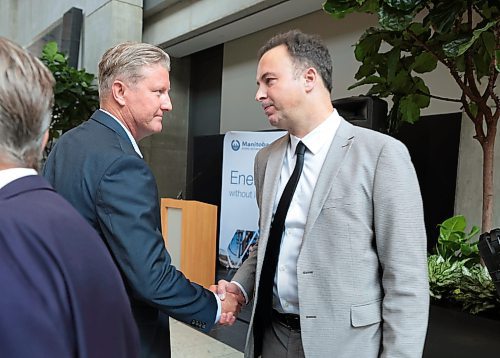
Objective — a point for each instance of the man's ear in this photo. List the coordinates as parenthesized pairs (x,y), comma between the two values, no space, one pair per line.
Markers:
(45,139)
(311,77)
(118,89)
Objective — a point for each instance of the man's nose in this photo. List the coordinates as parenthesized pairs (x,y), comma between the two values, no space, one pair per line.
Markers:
(260,95)
(166,104)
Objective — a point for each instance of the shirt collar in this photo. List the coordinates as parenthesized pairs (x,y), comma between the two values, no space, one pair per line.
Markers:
(9,175)
(320,136)
(129,135)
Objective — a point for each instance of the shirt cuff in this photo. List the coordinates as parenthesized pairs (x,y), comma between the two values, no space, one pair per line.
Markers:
(242,291)
(219,308)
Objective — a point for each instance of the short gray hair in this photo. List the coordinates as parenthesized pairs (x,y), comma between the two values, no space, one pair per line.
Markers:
(26,98)
(125,61)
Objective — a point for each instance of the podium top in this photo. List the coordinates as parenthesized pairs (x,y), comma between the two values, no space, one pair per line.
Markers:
(181,203)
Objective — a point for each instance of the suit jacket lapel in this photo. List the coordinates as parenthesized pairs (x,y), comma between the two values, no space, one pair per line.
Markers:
(269,190)
(333,162)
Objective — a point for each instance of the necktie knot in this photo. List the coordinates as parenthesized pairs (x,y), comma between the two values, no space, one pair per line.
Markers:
(301,148)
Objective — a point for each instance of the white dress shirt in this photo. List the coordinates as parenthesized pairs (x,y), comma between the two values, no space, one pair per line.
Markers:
(9,175)
(318,143)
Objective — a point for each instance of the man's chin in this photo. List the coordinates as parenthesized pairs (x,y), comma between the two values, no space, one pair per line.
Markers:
(274,122)
(157,127)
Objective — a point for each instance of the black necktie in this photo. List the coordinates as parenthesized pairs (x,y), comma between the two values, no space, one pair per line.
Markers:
(263,310)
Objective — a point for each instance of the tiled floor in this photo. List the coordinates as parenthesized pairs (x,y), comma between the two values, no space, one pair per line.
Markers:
(186,342)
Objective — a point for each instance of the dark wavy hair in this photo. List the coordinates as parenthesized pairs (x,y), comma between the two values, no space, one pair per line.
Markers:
(306,51)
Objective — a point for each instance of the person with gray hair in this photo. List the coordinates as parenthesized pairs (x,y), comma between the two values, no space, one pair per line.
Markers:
(63,295)
(99,168)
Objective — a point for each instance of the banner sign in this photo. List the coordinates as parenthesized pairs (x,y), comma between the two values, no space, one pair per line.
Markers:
(239,215)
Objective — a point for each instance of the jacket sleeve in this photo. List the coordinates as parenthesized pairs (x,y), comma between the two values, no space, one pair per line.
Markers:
(245,275)
(402,249)
(129,216)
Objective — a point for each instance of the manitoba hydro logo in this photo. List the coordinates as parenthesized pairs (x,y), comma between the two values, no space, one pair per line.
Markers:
(235,145)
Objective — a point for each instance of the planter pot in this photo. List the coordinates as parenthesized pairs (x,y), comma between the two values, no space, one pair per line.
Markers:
(458,334)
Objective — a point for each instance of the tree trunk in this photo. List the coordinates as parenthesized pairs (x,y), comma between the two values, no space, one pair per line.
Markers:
(488,175)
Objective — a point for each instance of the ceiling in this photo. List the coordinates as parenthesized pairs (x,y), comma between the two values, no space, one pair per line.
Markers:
(250,20)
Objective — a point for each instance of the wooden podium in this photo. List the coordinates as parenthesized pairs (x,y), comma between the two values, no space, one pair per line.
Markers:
(189,229)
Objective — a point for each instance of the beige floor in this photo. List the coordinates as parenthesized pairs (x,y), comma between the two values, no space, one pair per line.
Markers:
(186,342)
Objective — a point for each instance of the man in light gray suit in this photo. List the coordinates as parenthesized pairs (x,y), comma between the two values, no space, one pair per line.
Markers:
(351,275)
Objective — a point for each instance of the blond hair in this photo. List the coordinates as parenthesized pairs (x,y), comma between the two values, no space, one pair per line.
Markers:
(26,98)
(125,61)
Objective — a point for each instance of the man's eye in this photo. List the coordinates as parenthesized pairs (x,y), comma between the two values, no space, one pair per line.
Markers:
(270,80)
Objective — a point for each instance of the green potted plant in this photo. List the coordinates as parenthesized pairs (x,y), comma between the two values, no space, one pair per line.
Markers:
(75,95)
(465,311)
(456,276)
(412,38)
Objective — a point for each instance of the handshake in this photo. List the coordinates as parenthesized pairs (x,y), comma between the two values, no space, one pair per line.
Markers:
(232,300)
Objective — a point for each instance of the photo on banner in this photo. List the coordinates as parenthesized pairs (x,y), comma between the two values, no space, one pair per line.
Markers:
(239,215)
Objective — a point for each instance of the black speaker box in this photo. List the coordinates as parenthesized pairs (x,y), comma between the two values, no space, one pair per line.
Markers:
(363,111)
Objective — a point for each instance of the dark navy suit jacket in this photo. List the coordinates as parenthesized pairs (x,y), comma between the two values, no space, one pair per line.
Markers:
(94,166)
(62,296)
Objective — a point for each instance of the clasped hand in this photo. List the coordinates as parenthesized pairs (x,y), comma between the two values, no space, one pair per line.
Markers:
(231,298)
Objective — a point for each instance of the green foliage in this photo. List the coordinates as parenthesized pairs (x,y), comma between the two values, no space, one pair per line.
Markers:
(455,244)
(412,37)
(456,275)
(469,287)
(75,95)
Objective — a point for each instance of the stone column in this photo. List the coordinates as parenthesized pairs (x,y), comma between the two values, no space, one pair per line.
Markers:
(109,24)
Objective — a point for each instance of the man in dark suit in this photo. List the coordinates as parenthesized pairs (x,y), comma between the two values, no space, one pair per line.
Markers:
(99,168)
(62,295)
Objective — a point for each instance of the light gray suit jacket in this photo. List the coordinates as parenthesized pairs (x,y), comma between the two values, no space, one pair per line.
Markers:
(361,270)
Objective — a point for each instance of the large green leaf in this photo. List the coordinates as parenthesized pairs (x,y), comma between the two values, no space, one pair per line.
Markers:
(422,96)
(393,20)
(50,50)
(380,90)
(455,223)
(420,100)
(489,41)
(402,82)
(366,69)
(369,44)
(444,14)
(368,80)
(393,58)
(424,62)
(459,46)
(403,5)
(482,62)
(409,110)
(454,48)
(418,28)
